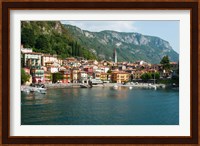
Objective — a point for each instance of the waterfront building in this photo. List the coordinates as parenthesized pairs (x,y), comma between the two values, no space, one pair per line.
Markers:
(104,76)
(48,63)
(120,77)
(74,75)
(137,74)
(26,50)
(150,70)
(174,65)
(52,69)
(121,67)
(99,69)
(131,65)
(104,63)
(115,67)
(157,67)
(27,70)
(130,70)
(141,62)
(47,77)
(75,64)
(104,69)
(70,59)
(66,76)
(88,69)
(48,58)
(97,75)
(82,77)
(31,59)
(60,61)
(92,62)
(94,67)
(37,75)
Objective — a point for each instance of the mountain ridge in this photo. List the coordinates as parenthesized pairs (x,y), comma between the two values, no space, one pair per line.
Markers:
(128,40)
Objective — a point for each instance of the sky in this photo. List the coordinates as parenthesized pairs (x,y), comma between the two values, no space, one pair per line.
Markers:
(165,29)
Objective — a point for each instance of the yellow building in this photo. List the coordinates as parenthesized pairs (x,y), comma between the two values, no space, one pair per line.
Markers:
(120,77)
(104,76)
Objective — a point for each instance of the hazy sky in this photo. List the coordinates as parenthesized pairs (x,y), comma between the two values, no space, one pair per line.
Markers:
(167,30)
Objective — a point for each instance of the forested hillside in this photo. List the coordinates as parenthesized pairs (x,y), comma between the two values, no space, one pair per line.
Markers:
(51,37)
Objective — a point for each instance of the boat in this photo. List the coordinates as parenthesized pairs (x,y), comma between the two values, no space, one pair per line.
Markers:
(152,86)
(130,87)
(27,91)
(42,90)
(85,86)
(155,87)
(115,87)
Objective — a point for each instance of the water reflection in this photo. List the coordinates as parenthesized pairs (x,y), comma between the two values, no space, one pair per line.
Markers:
(35,99)
(98,106)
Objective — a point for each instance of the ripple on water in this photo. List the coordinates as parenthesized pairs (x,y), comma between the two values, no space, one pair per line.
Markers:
(101,106)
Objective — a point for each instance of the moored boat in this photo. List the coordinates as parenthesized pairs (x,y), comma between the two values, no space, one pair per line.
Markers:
(83,86)
(42,90)
(115,87)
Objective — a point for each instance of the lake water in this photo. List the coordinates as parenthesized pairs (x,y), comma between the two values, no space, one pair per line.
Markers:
(101,106)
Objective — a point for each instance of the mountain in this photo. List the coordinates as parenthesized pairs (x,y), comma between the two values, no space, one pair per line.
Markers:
(67,40)
(52,38)
(130,46)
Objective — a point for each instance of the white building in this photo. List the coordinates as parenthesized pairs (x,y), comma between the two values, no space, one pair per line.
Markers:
(83,77)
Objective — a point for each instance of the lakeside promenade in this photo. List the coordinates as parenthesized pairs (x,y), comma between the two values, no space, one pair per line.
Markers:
(77,85)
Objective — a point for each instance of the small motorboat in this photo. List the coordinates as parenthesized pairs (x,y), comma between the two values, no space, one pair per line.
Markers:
(115,87)
(27,91)
(85,86)
(42,90)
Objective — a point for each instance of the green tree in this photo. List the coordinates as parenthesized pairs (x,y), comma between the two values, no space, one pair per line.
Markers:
(146,76)
(24,76)
(157,75)
(40,36)
(28,37)
(131,77)
(43,43)
(57,76)
(50,77)
(165,62)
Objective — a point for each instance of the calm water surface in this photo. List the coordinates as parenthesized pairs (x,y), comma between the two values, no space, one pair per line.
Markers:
(101,106)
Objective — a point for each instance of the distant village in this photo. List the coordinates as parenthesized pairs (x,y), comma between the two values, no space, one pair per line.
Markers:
(43,68)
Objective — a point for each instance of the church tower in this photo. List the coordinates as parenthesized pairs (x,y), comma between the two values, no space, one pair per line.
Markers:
(115,56)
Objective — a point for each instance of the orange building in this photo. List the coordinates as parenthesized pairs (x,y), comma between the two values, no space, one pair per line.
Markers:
(47,77)
(120,77)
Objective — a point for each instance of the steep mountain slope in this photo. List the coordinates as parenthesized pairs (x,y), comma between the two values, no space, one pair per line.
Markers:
(129,46)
